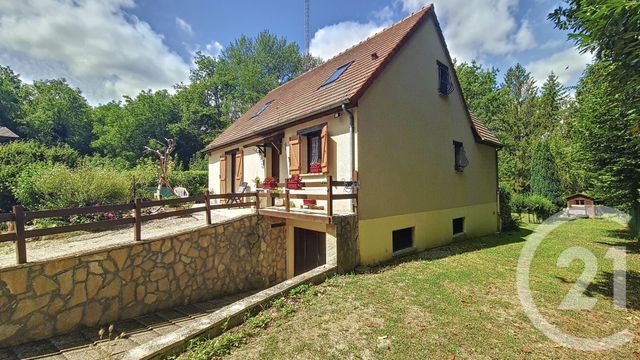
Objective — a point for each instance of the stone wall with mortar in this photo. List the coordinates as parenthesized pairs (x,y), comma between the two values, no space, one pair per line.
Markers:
(345,228)
(39,300)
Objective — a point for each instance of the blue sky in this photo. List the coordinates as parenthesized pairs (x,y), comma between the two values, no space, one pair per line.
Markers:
(110,48)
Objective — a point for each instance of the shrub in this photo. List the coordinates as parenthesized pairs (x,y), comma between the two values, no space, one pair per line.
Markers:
(506,219)
(16,156)
(194,181)
(518,203)
(43,186)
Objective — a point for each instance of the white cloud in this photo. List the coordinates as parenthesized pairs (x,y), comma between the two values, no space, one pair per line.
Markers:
(184,26)
(385,14)
(566,64)
(333,39)
(479,27)
(96,45)
(213,49)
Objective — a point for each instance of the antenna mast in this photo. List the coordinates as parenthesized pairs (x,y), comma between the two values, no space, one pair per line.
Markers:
(306,27)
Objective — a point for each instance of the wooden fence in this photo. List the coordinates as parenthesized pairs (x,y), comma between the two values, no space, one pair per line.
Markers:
(21,217)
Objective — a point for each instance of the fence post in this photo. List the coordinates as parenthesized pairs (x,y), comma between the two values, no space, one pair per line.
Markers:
(21,242)
(329,196)
(137,234)
(287,206)
(207,205)
(257,201)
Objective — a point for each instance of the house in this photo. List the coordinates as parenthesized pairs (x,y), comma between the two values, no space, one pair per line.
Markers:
(386,119)
(7,135)
(581,205)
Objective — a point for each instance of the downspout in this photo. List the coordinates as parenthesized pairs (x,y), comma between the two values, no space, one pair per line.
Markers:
(352,146)
(352,139)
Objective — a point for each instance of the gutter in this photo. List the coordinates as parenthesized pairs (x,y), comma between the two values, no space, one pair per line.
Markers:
(352,141)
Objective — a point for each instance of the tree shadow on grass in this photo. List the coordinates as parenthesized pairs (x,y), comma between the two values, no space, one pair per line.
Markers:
(458,247)
(624,238)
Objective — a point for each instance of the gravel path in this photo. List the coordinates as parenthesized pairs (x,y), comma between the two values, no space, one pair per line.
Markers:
(46,249)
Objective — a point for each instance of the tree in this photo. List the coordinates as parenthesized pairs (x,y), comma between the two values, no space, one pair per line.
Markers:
(517,127)
(545,180)
(608,137)
(482,92)
(552,104)
(10,97)
(56,114)
(123,130)
(608,28)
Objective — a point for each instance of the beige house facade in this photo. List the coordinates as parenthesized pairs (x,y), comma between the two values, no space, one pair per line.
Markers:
(385,119)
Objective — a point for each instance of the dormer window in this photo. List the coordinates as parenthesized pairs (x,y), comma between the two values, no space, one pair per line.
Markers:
(336,74)
(445,87)
(262,108)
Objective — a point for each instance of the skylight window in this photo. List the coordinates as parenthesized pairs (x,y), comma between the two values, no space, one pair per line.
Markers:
(336,74)
(262,108)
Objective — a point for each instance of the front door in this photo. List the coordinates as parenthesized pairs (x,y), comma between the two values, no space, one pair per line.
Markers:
(309,250)
(275,164)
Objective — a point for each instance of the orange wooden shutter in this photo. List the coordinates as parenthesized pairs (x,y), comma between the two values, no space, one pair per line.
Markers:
(324,146)
(223,174)
(239,169)
(294,155)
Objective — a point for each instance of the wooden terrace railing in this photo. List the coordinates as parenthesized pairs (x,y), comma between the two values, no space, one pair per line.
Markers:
(329,196)
(21,217)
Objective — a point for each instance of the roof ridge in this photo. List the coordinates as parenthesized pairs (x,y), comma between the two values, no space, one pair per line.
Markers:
(379,33)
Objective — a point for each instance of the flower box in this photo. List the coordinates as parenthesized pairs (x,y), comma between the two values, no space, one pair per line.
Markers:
(315,168)
(309,201)
(294,183)
(269,183)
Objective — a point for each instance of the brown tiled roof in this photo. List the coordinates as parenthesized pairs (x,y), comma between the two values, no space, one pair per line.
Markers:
(6,133)
(303,97)
(483,133)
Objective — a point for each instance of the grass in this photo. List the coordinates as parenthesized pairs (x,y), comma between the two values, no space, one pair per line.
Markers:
(458,301)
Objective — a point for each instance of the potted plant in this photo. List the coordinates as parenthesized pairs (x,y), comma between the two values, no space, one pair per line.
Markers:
(277,201)
(256,181)
(294,182)
(315,168)
(269,183)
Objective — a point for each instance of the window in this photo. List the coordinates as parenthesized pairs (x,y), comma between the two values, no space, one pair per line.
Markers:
(445,87)
(461,160)
(262,108)
(458,226)
(313,151)
(336,74)
(402,239)
(579,202)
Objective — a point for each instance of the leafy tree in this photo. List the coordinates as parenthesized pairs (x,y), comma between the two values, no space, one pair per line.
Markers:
(123,130)
(10,98)
(545,180)
(56,114)
(482,92)
(609,28)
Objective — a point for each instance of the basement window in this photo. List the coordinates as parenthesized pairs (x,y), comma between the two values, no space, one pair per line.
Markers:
(458,226)
(336,74)
(262,108)
(402,239)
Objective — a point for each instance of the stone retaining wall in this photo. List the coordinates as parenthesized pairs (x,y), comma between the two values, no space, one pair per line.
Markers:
(39,300)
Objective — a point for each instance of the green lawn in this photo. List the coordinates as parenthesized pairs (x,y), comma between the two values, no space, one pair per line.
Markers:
(458,301)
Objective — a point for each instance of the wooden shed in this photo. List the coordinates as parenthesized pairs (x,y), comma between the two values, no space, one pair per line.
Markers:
(581,205)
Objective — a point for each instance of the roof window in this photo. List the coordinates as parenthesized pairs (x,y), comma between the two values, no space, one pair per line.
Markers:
(336,74)
(262,108)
